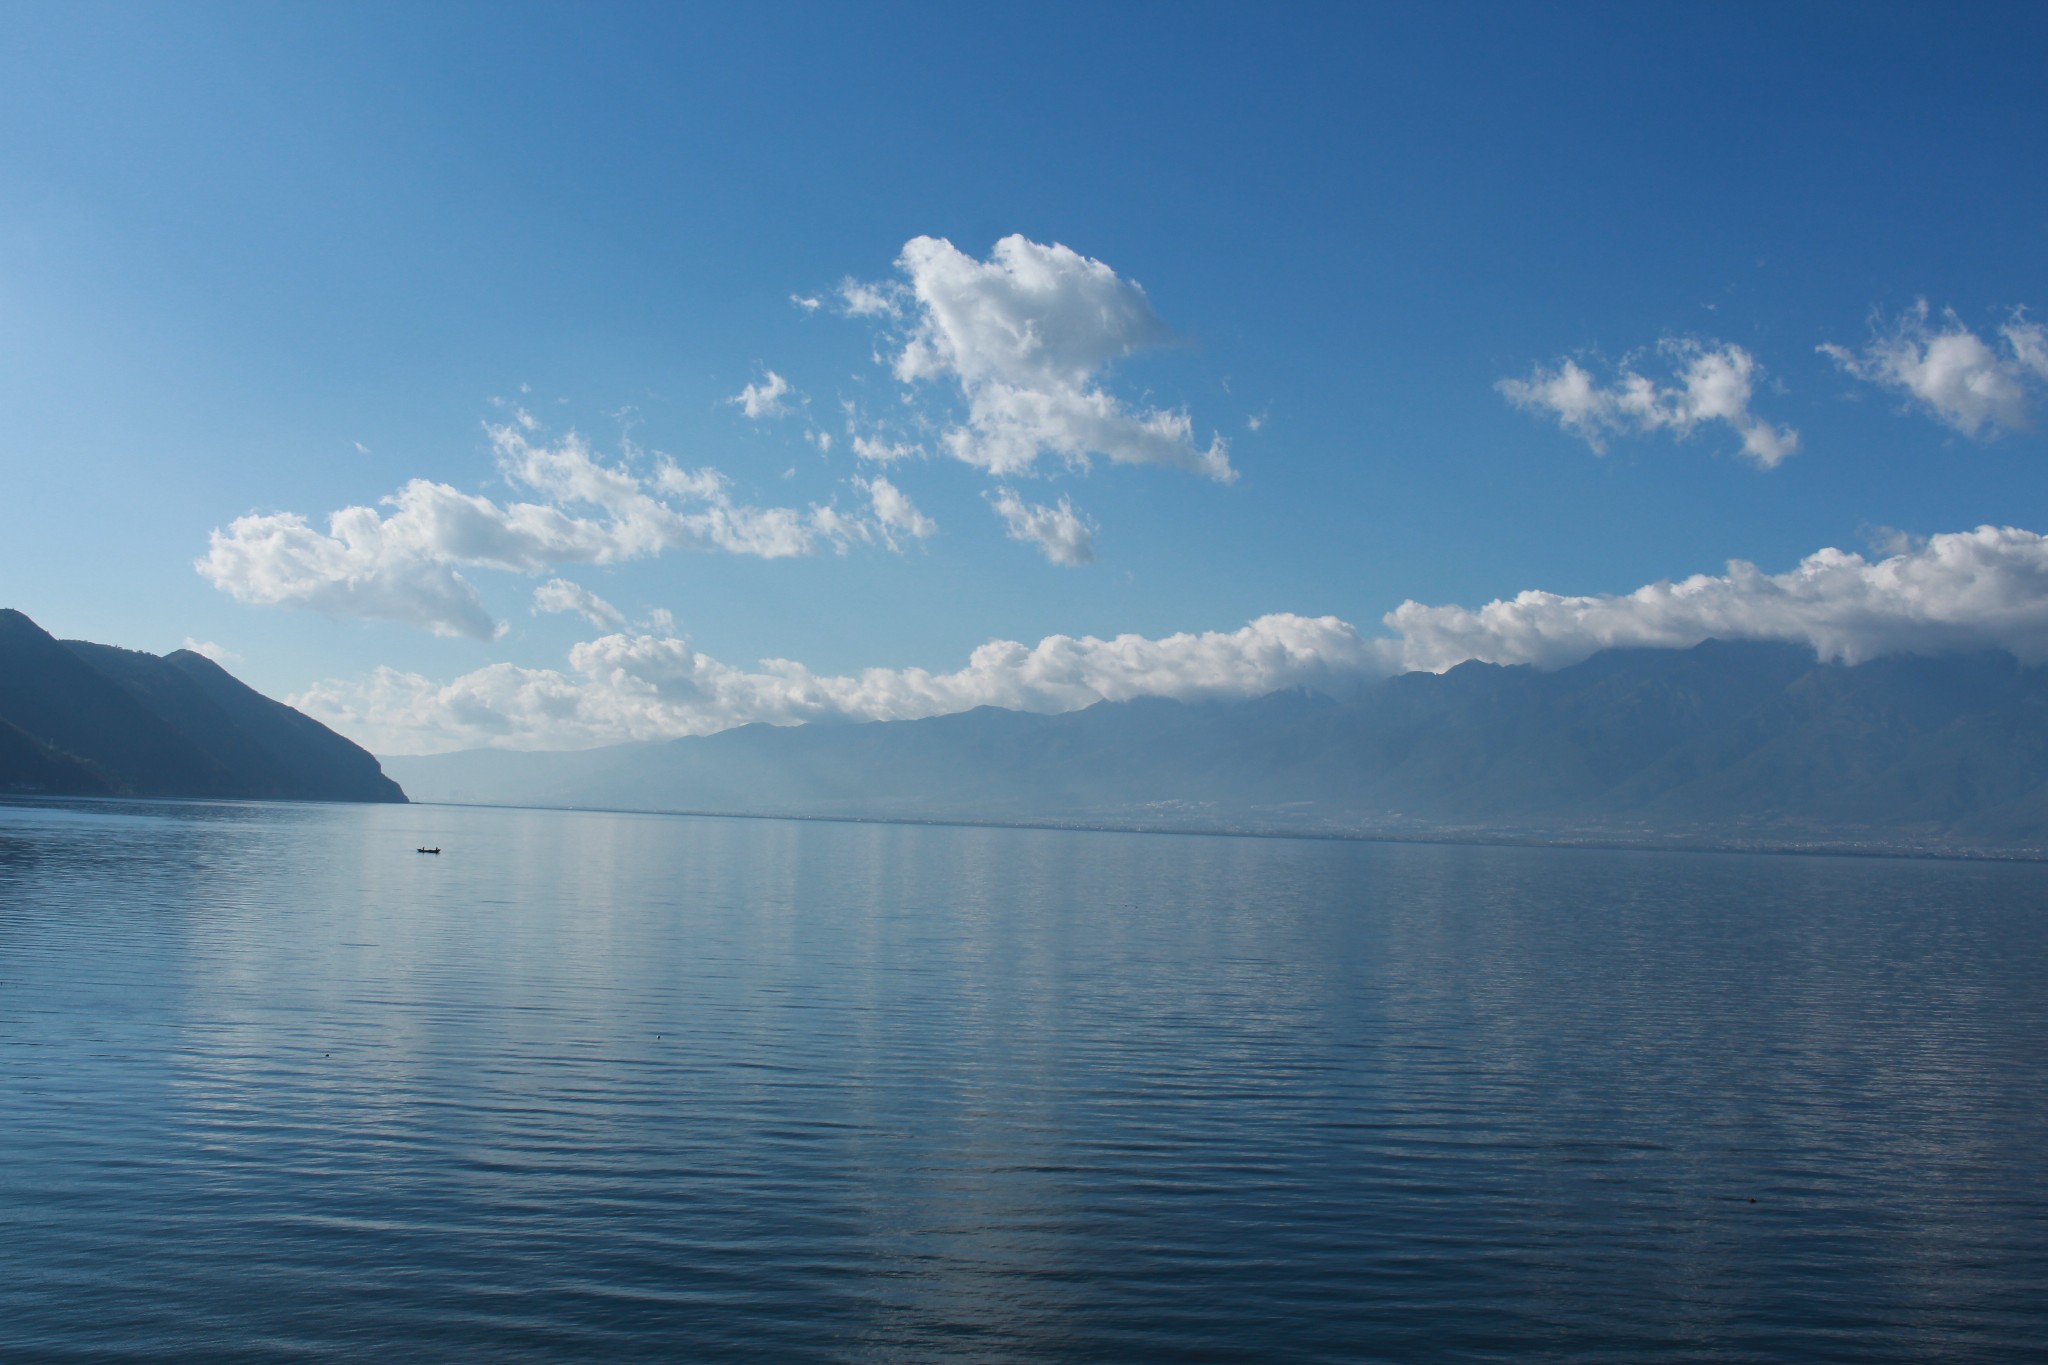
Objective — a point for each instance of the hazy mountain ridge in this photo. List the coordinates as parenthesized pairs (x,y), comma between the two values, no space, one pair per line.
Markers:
(83,719)
(1725,743)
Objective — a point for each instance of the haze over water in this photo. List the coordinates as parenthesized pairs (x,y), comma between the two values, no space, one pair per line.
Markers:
(622,1087)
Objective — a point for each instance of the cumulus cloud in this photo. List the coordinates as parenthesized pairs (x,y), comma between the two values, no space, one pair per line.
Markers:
(362,565)
(1712,382)
(560,595)
(810,303)
(1953,374)
(1060,533)
(1981,589)
(1026,337)
(763,399)
(404,564)
(626,687)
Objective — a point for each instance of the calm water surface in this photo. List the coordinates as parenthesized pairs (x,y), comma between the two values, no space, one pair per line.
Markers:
(633,1087)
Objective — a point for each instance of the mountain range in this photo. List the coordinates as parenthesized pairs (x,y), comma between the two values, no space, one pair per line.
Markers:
(81,719)
(1743,744)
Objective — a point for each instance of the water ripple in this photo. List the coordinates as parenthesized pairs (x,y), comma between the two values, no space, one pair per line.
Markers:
(631,1087)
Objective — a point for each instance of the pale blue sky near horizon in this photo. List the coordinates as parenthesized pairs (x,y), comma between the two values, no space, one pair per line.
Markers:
(264,259)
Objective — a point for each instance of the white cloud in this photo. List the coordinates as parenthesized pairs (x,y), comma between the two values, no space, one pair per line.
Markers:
(1956,376)
(627,687)
(880,451)
(839,529)
(1714,383)
(1981,589)
(869,300)
(1027,336)
(810,303)
(404,565)
(560,595)
(894,512)
(1060,533)
(763,399)
(220,654)
(363,565)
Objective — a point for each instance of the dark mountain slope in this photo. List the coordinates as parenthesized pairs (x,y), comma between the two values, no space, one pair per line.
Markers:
(27,766)
(49,692)
(312,758)
(82,718)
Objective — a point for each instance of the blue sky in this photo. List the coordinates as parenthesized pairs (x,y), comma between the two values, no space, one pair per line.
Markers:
(273,262)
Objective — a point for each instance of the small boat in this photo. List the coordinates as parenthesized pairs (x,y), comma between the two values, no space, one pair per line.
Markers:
(430,850)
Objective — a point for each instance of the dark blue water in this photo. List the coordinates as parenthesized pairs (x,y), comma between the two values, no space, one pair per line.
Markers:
(630,1087)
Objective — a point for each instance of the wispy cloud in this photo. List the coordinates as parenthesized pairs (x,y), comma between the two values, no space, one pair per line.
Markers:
(220,654)
(1060,533)
(404,564)
(1951,373)
(894,513)
(763,399)
(1711,382)
(860,300)
(881,451)
(560,595)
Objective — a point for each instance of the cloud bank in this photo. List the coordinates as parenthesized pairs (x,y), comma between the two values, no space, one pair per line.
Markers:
(1713,382)
(1981,589)
(1951,373)
(627,687)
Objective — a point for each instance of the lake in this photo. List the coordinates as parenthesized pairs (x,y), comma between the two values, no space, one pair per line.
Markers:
(621,1087)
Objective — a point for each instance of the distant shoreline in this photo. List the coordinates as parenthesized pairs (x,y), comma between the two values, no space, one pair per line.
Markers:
(1608,842)
(1603,842)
